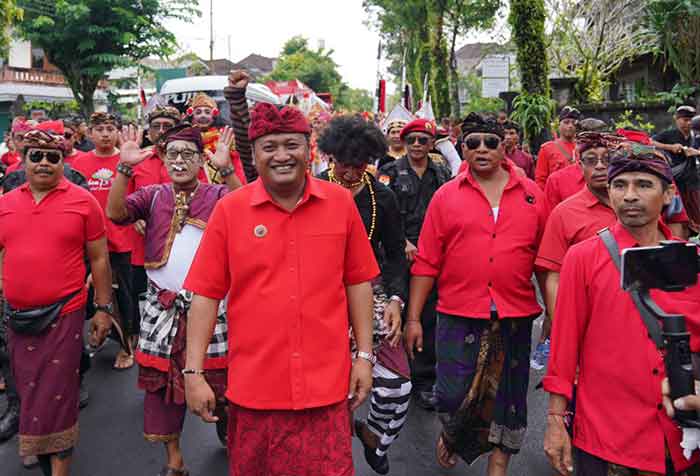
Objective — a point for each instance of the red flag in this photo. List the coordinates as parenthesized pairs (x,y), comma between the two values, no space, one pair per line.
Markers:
(382,95)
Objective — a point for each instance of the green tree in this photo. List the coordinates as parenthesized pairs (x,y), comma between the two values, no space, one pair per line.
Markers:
(439,72)
(85,39)
(315,68)
(676,27)
(533,107)
(9,14)
(355,100)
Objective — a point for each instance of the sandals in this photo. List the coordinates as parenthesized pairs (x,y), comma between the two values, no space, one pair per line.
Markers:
(168,471)
(123,361)
(380,464)
(445,458)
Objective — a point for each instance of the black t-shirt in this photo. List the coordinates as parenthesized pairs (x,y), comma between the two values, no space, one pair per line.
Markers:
(673,136)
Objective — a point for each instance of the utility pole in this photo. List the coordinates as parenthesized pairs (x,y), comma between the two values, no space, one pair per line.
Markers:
(211,31)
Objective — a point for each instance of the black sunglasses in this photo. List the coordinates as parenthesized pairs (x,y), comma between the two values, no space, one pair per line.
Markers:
(491,142)
(39,155)
(422,140)
(68,135)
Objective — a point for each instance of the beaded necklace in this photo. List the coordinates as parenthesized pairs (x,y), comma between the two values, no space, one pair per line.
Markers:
(368,182)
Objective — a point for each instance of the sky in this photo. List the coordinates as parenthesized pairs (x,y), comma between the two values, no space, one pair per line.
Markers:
(263,26)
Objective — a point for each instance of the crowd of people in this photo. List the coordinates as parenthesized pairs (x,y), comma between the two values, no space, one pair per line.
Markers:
(274,274)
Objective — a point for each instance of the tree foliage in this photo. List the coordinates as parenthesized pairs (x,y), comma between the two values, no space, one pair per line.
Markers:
(676,27)
(591,40)
(533,107)
(422,36)
(9,14)
(85,39)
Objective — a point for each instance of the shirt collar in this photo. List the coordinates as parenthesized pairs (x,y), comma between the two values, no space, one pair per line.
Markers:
(62,185)
(626,240)
(260,194)
(515,178)
(589,199)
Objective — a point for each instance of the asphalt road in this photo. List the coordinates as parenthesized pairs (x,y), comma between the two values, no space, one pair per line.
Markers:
(111,443)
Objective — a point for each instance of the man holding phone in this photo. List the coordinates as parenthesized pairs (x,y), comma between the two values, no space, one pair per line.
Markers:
(599,332)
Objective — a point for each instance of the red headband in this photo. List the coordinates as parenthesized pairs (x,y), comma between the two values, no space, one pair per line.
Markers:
(266,119)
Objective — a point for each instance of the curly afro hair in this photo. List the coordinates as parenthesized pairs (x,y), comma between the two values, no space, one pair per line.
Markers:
(352,141)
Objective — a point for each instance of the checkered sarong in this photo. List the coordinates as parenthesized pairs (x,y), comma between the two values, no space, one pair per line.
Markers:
(160,320)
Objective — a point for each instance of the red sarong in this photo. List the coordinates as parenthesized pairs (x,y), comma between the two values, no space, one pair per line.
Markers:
(311,442)
(46,369)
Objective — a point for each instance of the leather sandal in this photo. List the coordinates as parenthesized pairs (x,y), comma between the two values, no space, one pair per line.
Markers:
(168,471)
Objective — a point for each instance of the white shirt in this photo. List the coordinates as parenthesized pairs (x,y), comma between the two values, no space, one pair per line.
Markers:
(172,275)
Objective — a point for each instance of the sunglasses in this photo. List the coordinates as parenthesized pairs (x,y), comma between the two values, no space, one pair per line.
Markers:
(592,161)
(422,140)
(68,135)
(491,142)
(37,156)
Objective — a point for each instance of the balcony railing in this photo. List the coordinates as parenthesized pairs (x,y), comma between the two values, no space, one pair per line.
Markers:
(37,76)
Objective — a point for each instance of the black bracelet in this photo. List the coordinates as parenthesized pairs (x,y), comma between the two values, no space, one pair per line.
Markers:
(226,171)
(125,169)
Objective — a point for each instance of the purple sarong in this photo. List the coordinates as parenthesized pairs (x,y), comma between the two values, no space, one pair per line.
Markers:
(46,368)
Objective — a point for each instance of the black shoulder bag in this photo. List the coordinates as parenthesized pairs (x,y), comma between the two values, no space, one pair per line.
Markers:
(36,320)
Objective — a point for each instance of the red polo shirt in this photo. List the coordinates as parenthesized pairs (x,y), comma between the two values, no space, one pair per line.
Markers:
(574,220)
(285,274)
(100,173)
(151,171)
(563,184)
(597,329)
(524,161)
(44,244)
(10,158)
(554,155)
(459,236)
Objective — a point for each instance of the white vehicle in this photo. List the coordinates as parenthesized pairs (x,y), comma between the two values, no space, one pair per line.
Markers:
(178,92)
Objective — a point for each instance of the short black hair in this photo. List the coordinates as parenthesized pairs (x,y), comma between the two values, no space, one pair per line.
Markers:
(352,141)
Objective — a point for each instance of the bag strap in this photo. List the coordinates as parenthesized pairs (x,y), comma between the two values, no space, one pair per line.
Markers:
(563,151)
(650,322)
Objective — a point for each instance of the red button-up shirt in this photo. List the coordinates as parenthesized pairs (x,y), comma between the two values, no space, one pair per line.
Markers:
(597,329)
(44,244)
(285,274)
(563,184)
(576,219)
(554,155)
(478,261)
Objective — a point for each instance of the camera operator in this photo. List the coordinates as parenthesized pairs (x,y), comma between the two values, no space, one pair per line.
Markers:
(620,422)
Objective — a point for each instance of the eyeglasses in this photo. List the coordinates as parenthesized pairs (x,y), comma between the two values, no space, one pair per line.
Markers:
(37,156)
(592,160)
(186,154)
(491,142)
(422,140)
(161,126)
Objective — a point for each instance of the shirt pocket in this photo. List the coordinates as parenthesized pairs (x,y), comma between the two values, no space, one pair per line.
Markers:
(324,253)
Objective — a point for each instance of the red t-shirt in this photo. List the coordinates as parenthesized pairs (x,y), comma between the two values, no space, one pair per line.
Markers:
(13,168)
(456,238)
(563,184)
(151,171)
(100,173)
(524,161)
(285,274)
(597,330)
(554,155)
(572,221)
(10,158)
(45,243)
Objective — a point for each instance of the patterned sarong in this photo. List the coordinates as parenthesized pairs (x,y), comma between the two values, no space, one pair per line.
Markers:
(159,326)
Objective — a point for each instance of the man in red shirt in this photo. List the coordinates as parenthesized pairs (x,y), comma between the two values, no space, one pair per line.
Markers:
(271,246)
(487,313)
(65,222)
(598,334)
(558,153)
(511,143)
(13,156)
(99,166)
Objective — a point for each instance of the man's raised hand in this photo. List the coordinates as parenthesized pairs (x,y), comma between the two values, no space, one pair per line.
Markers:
(130,151)
(238,79)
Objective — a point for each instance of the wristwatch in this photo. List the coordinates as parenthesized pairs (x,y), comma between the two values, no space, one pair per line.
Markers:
(108,308)
(368,356)
(125,169)
(226,171)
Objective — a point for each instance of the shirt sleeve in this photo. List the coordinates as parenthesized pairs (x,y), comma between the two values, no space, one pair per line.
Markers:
(360,264)
(552,195)
(138,205)
(95,226)
(542,167)
(209,274)
(430,247)
(571,315)
(553,245)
